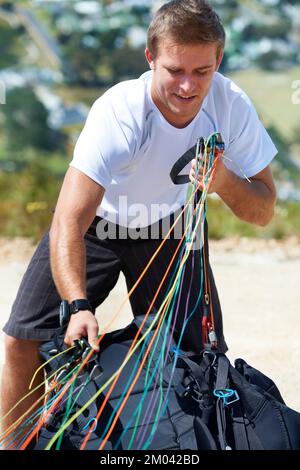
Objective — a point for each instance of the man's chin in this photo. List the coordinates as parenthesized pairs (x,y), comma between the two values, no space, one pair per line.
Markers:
(184,114)
(186,109)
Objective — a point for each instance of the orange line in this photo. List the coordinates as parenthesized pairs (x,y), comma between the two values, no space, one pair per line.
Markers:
(20,420)
(148,349)
(67,386)
(146,353)
(135,338)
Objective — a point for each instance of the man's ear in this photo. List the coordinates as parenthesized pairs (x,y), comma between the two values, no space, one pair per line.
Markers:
(149,58)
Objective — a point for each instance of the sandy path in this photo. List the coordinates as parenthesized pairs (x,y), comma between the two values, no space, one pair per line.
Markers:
(259,289)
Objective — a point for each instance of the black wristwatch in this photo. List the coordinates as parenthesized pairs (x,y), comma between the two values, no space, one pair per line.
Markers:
(66,309)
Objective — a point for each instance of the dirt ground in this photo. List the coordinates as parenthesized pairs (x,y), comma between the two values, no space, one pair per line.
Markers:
(258,283)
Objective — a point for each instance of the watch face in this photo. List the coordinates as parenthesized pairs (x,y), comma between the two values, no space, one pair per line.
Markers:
(61,319)
(64,313)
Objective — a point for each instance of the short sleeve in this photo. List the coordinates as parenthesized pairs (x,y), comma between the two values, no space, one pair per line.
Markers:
(105,145)
(250,148)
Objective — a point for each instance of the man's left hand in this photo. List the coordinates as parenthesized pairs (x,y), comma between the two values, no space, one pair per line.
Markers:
(218,178)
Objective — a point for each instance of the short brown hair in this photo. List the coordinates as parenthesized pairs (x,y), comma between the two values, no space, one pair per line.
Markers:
(185,22)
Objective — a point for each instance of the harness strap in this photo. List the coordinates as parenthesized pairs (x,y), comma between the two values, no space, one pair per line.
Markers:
(221,422)
(239,428)
(222,375)
(197,373)
(186,158)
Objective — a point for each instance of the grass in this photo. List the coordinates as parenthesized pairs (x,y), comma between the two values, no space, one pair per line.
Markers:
(75,94)
(271,93)
(26,205)
(222,223)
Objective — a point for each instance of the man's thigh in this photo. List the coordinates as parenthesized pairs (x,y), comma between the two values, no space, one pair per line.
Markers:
(34,314)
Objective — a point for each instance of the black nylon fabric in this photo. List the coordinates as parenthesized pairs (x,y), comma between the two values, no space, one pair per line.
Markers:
(195,419)
(176,425)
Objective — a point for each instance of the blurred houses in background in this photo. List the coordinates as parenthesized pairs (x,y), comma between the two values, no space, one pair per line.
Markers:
(58,56)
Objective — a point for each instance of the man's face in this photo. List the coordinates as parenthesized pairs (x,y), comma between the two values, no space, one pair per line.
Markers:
(182,75)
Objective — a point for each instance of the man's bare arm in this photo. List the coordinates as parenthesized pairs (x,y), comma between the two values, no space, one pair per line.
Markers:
(76,208)
(252,202)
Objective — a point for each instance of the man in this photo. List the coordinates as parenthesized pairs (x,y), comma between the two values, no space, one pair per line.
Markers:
(133,136)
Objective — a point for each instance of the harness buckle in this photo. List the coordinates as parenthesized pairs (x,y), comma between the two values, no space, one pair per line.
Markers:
(225,395)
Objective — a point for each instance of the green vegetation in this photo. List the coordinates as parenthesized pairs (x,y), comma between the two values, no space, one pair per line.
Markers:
(26,137)
(25,121)
(10,45)
(27,200)
(222,223)
(76,94)
(96,54)
(271,93)
(28,196)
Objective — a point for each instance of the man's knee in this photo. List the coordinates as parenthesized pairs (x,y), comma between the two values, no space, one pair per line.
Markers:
(20,349)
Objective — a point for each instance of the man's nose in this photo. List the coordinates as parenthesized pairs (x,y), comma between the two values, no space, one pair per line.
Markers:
(187,84)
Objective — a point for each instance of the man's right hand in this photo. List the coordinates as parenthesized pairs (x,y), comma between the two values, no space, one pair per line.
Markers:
(82,324)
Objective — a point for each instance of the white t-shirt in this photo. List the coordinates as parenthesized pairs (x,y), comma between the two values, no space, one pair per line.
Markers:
(129,148)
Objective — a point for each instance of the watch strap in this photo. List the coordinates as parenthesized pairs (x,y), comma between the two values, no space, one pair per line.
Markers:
(80,304)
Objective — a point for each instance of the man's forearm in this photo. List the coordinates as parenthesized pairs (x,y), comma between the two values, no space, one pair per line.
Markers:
(252,202)
(68,261)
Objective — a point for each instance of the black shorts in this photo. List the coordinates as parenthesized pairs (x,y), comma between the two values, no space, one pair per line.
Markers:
(35,311)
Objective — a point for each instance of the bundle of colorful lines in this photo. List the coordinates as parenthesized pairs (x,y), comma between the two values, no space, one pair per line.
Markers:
(63,389)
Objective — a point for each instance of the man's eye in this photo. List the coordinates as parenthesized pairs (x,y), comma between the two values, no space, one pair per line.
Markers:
(174,72)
